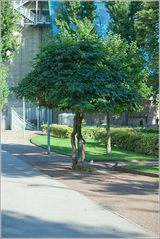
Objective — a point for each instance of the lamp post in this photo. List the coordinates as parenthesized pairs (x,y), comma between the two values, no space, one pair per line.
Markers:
(38,121)
(24,133)
(48,132)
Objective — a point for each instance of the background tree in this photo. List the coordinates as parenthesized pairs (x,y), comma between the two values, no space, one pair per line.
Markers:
(70,11)
(8,44)
(85,74)
(9,28)
(4,91)
(147,35)
(122,18)
(138,21)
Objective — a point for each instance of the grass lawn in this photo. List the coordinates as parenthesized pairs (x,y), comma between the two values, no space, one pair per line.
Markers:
(94,151)
(144,168)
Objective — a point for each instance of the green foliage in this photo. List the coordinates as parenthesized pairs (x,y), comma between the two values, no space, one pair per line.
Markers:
(122,18)
(4,91)
(60,131)
(86,74)
(130,139)
(9,22)
(8,44)
(138,21)
(87,133)
(147,35)
(148,130)
(70,12)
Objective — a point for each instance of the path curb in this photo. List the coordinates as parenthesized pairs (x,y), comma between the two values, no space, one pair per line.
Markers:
(125,170)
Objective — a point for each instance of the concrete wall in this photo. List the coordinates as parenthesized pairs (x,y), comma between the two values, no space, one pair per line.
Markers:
(31,39)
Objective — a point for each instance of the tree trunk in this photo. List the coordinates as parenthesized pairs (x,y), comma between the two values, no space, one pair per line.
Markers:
(77,157)
(73,142)
(80,141)
(108,134)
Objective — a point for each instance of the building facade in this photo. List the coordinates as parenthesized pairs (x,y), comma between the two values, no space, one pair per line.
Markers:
(35,28)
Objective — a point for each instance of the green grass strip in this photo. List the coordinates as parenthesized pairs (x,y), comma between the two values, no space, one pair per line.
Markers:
(144,168)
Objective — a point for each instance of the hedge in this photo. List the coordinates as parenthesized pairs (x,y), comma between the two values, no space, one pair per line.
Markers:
(63,131)
(130,139)
(60,131)
(133,139)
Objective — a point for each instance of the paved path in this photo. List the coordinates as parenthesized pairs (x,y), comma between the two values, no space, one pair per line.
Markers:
(35,205)
(132,196)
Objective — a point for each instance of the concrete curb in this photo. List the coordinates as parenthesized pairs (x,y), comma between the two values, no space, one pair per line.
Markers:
(125,170)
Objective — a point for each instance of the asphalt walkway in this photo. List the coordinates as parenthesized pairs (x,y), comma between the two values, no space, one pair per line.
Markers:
(36,205)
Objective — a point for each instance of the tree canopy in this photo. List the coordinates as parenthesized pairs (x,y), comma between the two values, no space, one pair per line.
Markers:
(138,21)
(147,36)
(8,44)
(4,91)
(87,74)
(9,27)
(69,12)
(122,18)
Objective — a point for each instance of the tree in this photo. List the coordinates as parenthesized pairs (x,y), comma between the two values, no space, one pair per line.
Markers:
(4,87)
(147,35)
(83,73)
(8,44)
(122,18)
(138,21)
(69,12)
(9,28)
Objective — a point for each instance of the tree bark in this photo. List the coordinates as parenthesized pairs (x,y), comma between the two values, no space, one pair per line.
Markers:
(78,152)
(73,142)
(80,141)
(108,134)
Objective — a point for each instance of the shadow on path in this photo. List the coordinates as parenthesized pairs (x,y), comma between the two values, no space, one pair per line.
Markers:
(20,225)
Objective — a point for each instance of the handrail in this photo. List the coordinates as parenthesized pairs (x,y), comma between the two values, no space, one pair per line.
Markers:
(29,14)
(20,3)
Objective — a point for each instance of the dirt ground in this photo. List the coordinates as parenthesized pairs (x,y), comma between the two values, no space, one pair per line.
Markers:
(134,197)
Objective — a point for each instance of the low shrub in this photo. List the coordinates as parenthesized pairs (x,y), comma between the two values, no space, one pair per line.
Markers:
(88,133)
(60,131)
(149,130)
(63,131)
(130,139)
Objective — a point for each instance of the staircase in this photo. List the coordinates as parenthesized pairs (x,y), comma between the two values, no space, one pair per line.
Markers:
(34,18)
(20,3)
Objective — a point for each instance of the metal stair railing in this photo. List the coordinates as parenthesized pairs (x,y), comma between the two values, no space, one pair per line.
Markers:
(20,3)
(27,13)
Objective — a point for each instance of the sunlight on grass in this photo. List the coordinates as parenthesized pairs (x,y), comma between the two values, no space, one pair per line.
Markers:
(147,168)
(94,151)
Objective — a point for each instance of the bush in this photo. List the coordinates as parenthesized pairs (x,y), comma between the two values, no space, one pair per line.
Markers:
(87,133)
(63,131)
(148,130)
(130,139)
(59,131)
